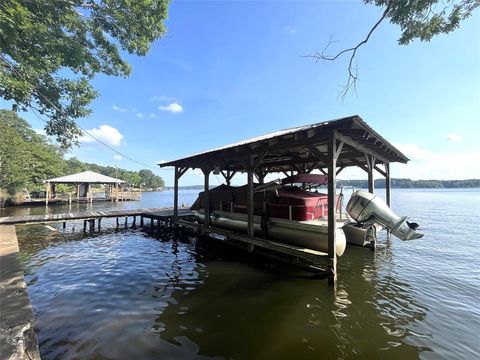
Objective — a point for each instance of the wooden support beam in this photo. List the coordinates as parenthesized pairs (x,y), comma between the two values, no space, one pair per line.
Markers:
(380,170)
(387,183)
(360,147)
(340,170)
(256,161)
(332,164)
(47,190)
(228,175)
(260,175)
(370,165)
(206,189)
(175,192)
(318,154)
(360,165)
(179,171)
(250,201)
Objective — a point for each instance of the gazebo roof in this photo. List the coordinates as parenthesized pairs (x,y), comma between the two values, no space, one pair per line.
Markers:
(85,177)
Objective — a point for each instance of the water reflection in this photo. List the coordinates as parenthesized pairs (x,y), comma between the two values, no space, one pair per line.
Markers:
(201,298)
(121,294)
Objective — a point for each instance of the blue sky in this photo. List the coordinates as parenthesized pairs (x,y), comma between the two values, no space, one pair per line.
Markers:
(230,70)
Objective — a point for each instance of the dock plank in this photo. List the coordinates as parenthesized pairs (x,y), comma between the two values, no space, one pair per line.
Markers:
(30,219)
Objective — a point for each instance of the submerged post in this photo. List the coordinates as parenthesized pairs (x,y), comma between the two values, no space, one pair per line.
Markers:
(332,189)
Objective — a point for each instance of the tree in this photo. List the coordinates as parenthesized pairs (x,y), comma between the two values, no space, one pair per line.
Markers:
(150,180)
(418,19)
(26,158)
(51,49)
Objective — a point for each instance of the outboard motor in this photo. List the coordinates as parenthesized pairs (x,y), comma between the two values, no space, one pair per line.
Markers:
(364,206)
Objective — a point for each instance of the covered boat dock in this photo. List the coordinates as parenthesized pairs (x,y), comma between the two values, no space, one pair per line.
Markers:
(82,182)
(328,147)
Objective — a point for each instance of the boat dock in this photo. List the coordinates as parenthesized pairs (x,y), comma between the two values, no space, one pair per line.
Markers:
(326,147)
(161,215)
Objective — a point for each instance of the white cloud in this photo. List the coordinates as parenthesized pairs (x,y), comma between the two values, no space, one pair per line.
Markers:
(426,164)
(140,115)
(105,133)
(290,30)
(118,157)
(162,98)
(118,108)
(152,115)
(40,131)
(454,137)
(173,108)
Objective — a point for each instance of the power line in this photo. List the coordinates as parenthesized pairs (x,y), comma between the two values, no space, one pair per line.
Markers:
(76,125)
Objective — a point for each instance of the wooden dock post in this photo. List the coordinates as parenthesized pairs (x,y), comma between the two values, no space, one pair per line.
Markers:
(99,224)
(92,225)
(64,225)
(179,171)
(141,221)
(47,193)
(370,165)
(84,225)
(117,223)
(334,150)
(134,221)
(250,201)
(387,183)
(175,192)
(206,173)
(126,222)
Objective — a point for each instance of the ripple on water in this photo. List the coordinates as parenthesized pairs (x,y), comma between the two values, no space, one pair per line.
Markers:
(123,295)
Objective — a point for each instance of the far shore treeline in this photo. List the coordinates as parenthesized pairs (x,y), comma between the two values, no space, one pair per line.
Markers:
(28,158)
(395,183)
(413,184)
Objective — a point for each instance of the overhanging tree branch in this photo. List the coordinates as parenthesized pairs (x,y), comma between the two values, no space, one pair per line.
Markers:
(352,70)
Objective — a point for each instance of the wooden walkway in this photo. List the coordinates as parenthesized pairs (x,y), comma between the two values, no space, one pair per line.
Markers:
(155,213)
(18,339)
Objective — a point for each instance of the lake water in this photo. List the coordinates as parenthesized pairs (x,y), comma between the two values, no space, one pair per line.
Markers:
(126,295)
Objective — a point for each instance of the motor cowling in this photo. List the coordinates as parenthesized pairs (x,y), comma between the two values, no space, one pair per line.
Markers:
(364,206)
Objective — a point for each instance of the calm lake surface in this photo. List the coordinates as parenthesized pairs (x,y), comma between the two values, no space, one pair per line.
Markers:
(126,295)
